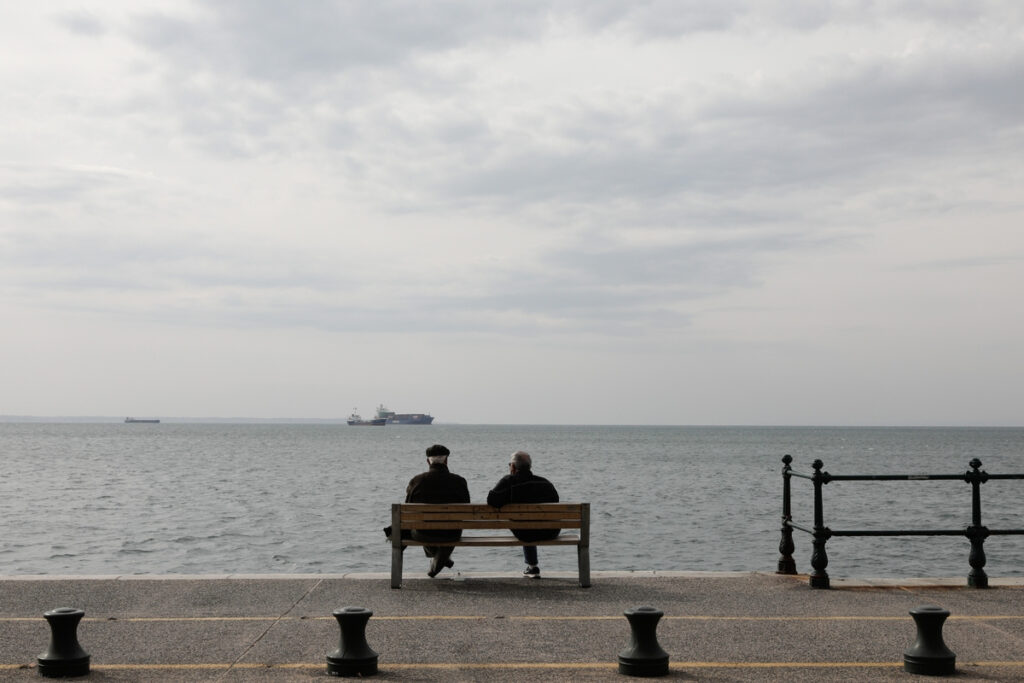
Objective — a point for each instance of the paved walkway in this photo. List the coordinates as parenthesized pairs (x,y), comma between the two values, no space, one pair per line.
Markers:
(500,627)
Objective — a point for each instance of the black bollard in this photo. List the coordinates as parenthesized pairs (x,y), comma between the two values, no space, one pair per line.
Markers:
(929,654)
(644,656)
(353,656)
(65,657)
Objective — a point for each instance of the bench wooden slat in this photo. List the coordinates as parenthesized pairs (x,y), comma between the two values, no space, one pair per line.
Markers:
(497,541)
(478,508)
(454,519)
(493,524)
(498,523)
(410,520)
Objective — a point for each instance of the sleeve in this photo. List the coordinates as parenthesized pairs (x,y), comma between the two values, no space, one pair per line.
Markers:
(465,492)
(500,494)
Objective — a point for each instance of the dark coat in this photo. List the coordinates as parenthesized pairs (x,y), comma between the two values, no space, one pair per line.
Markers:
(437,485)
(525,487)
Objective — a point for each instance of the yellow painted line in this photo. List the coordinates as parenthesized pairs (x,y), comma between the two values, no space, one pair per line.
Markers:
(394,666)
(812,665)
(614,665)
(440,617)
(143,620)
(412,666)
(421,617)
(780,618)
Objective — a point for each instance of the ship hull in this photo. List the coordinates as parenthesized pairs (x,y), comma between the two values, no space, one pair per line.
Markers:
(410,419)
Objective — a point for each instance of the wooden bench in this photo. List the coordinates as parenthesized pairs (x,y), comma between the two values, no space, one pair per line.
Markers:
(472,516)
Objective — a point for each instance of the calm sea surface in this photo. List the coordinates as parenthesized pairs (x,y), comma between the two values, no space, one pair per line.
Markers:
(217,498)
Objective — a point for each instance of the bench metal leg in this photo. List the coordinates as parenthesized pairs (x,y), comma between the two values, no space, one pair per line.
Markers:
(583,554)
(396,566)
(396,545)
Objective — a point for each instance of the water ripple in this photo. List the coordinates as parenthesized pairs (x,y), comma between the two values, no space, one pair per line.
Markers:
(272,498)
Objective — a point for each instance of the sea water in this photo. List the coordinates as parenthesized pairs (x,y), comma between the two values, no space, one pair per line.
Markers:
(104,498)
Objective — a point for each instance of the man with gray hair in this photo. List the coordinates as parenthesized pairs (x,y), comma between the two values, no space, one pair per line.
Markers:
(437,485)
(521,485)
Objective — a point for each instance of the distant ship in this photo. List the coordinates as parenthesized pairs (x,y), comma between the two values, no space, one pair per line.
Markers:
(135,420)
(354,420)
(394,418)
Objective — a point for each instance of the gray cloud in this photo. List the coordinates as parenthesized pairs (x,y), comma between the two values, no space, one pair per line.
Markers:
(841,126)
(314,39)
(618,290)
(317,81)
(82,23)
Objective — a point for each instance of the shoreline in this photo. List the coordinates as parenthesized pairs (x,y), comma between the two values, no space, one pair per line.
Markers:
(836,582)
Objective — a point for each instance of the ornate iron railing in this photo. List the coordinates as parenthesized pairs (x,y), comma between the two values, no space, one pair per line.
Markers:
(976,532)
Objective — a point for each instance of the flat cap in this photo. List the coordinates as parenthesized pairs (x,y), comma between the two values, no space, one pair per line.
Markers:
(436,450)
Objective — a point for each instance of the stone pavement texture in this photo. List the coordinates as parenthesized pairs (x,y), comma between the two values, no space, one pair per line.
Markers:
(501,627)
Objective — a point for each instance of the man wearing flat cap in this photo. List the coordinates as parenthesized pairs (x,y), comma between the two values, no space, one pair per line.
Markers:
(437,485)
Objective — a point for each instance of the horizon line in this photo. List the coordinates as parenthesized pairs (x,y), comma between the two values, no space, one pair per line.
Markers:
(237,419)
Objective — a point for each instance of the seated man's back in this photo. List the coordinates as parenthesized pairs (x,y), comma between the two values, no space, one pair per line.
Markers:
(523,486)
(438,485)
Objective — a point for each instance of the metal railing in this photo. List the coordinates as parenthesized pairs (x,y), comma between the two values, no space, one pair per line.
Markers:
(976,532)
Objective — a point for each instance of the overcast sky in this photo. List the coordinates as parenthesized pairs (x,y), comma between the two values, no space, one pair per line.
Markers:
(532,212)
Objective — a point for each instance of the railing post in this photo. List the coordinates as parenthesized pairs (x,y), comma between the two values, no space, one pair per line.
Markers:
(976,532)
(787,565)
(819,558)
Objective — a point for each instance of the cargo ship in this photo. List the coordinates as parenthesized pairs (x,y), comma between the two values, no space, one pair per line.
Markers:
(135,420)
(394,418)
(355,420)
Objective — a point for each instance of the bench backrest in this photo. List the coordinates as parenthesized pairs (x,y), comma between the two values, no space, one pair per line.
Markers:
(479,516)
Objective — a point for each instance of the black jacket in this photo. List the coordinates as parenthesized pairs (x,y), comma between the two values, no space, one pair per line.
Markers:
(438,485)
(525,487)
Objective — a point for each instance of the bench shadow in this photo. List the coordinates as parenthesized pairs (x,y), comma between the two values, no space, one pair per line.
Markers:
(555,590)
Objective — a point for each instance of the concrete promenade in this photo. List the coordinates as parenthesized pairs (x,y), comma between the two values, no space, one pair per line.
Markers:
(501,627)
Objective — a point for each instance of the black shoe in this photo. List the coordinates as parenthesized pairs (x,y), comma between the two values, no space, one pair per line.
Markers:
(435,570)
(532,572)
